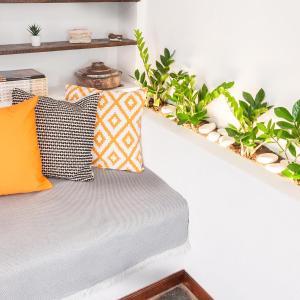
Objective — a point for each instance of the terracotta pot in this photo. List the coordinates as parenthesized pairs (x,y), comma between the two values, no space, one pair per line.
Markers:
(99,76)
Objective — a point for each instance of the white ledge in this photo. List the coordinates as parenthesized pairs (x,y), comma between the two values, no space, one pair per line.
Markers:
(246,165)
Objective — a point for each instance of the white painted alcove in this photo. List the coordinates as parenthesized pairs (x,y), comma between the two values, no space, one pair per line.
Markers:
(244,221)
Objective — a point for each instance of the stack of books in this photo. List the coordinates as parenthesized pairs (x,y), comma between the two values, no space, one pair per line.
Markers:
(80,36)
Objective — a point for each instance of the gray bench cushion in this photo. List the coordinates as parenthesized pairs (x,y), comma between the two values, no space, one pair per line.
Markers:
(57,242)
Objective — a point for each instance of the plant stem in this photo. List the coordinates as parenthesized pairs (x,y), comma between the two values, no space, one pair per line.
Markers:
(255,149)
(282,149)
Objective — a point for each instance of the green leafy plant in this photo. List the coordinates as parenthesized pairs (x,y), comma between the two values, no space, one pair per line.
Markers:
(186,98)
(154,79)
(191,102)
(292,171)
(247,112)
(34,29)
(274,135)
(285,133)
(290,125)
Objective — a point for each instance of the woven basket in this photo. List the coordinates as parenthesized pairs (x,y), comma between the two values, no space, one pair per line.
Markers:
(36,86)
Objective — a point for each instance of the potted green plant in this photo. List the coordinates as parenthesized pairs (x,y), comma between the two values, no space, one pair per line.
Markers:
(292,172)
(186,99)
(191,102)
(247,112)
(154,78)
(35,30)
(290,126)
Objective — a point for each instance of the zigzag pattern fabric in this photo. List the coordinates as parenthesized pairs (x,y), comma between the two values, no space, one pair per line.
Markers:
(65,135)
(117,138)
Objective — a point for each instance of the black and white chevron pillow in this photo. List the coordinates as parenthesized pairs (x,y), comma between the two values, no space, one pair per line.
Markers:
(65,134)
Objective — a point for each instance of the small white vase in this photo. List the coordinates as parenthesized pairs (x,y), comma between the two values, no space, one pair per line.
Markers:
(35,40)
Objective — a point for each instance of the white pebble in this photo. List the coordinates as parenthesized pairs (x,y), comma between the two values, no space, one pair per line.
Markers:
(266,158)
(222,131)
(207,128)
(285,162)
(226,141)
(168,110)
(213,136)
(276,168)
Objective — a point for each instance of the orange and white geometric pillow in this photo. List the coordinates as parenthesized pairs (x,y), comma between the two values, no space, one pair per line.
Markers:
(117,140)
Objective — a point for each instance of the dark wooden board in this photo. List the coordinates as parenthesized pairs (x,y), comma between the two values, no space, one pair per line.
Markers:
(23,74)
(61,46)
(63,1)
(181,277)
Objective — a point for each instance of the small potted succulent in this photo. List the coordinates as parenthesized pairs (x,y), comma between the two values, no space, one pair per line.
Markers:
(35,30)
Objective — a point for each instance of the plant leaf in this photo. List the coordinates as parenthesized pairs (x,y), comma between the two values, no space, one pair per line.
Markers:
(248,97)
(231,132)
(294,167)
(226,85)
(283,113)
(143,78)
(296,111)
(160,67)
(285,125)
(283,134)
(260,96)
(262,127)
(167,53)
(203,92)
(292,150)
(182,117)
(164,61)
(137,74)
(287,173)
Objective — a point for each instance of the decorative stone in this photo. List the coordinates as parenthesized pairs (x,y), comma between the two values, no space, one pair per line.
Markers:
(276,168)
(80,35)
(285,162)
(168,110)
(222,131)
(213,136)
(226,141)
(266,158)
(207,128)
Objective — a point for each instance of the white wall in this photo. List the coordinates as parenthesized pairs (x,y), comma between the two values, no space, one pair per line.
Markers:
(244,221)
(255,43)
(56,20)
(245,232)
(127,56)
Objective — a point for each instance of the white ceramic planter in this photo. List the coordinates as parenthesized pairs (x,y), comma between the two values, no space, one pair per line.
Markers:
(35,40)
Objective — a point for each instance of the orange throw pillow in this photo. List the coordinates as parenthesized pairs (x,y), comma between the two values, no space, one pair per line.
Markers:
(20,162)
(117,138)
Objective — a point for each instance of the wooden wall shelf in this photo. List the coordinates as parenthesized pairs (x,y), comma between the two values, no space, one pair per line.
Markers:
(63,1)
(61,46)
